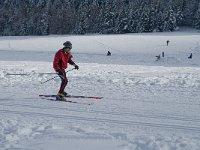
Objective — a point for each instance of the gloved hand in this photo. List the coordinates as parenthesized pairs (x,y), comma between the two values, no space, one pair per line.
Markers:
(76,67)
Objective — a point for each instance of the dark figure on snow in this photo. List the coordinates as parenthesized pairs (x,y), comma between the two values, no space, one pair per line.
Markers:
(109,53)
(168,42)
(190,57)
(60,63)
(163,54)
(158,57)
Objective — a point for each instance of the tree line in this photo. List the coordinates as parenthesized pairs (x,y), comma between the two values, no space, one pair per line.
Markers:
(44,17)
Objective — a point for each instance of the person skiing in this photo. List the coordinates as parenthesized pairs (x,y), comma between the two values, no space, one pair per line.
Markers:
(167,42)
(60,63)
(108,53)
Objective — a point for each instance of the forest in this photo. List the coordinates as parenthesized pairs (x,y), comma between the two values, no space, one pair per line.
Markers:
(45,17)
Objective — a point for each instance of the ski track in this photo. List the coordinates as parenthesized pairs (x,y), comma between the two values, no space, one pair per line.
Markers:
(129,122)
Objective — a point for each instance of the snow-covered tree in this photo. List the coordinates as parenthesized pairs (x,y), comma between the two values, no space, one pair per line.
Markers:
(170,21)
(197,18)
(42,17)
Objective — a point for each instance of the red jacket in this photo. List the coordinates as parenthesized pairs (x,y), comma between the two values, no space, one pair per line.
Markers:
(61,60)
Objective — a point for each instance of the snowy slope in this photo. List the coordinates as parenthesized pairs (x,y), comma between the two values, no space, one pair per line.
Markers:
(147,104)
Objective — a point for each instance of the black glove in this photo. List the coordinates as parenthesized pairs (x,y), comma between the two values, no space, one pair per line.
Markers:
(76,67)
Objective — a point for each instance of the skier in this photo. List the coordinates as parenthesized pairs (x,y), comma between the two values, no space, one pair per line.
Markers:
(190,57)
(60,63)
(167,42)
(108,53)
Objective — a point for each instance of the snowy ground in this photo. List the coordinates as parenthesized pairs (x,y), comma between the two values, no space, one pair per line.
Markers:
(147,104)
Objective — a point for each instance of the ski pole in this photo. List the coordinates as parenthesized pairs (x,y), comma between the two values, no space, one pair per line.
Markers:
(55,77)
(48,80)
(26,74)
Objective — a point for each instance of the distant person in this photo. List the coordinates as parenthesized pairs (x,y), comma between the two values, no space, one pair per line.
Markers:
(163,54)
(190,57)
(158,57)
(167,42)
(108,53)
(60,63)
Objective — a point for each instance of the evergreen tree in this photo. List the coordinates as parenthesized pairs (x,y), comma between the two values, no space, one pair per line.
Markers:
(83,20)
(197,18)
(43,17)
(159,26)
(170,21)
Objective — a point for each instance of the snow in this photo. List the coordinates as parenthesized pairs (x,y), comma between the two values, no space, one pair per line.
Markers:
(147,104)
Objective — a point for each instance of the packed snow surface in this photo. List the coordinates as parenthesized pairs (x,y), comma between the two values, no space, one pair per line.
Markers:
(147,104)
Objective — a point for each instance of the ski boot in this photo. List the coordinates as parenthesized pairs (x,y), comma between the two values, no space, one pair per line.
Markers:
(60,97)
(64,93)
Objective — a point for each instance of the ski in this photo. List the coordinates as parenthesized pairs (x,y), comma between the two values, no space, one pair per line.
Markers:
(64,100)
(74,96)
